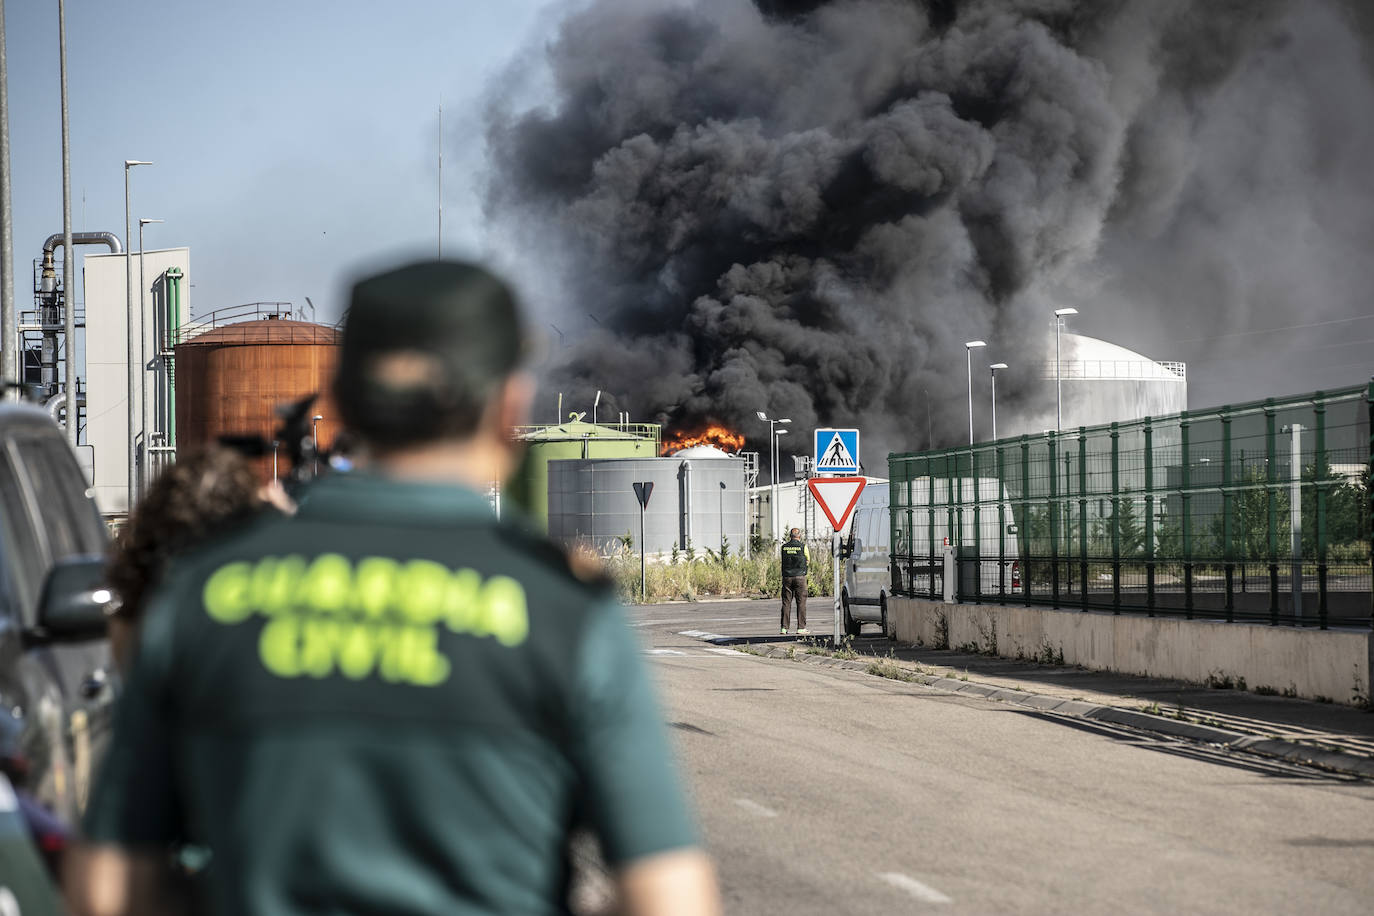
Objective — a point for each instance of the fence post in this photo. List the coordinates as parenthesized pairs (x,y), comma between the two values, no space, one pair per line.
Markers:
(930,518)
(1227,517)
(1271,489)
(1369,497)
(1054,518)
(977,523)
(910,530)
(1023,527)
(1116,520)
(1320,485)
(1149,519)
(1001,526)
(1186,497)
(1083,514)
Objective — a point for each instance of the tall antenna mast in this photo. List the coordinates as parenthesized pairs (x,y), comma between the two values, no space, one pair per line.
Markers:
(441,180)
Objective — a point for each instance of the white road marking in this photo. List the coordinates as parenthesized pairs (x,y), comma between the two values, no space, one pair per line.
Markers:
(664,652)
(913,887)
(721,650)
(754,807)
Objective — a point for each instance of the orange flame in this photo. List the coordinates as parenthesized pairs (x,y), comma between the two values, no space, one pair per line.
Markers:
(719,436)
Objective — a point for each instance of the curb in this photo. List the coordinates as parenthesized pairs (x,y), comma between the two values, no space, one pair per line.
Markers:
(1335,761)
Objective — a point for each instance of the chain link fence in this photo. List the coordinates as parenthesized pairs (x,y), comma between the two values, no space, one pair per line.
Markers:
(1254,512)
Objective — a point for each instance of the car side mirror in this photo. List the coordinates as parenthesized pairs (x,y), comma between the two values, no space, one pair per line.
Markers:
(75,600)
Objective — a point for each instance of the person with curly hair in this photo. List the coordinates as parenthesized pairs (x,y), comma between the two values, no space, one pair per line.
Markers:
(205,493)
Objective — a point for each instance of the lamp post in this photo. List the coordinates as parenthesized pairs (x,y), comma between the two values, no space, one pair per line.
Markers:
(315,442)
(595,405)
(994,367)
(143,352)
(969,347)
(772,468)
(781,432)
(129,328)
(1059,316)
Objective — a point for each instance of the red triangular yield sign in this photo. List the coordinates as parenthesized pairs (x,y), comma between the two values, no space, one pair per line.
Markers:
(836,496)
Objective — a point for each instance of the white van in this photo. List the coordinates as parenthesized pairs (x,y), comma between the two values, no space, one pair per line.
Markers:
(868,571)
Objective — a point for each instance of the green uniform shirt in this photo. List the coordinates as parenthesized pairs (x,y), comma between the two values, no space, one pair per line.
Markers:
(390,703)
(793,558)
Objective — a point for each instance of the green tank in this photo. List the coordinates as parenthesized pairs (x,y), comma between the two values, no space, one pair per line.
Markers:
(529,487)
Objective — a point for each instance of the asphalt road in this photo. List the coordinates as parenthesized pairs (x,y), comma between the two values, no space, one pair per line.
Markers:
(829,791)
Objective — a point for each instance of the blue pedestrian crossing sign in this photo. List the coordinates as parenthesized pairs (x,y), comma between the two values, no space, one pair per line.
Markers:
(837,451)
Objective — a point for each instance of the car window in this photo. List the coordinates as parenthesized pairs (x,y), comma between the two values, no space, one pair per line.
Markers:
(59,491)
(24,557)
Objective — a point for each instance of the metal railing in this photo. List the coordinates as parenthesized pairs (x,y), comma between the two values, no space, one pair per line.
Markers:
(1108,369)
(242,314)
(1257,511)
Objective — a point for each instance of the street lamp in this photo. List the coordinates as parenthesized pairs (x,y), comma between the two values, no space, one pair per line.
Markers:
(772,467)
(1059,316)
(143,350)
(129,327)
(315,441)
(969,347)
(994,367)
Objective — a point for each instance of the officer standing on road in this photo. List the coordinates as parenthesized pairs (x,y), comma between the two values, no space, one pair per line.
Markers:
(392,702)
(794,581)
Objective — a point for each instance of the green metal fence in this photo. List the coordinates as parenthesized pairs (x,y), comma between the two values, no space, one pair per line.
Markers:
(1257,511)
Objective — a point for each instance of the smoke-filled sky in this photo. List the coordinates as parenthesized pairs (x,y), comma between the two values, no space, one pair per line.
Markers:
(806,208)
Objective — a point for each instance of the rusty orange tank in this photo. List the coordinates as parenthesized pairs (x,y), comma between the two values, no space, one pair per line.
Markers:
(230,379)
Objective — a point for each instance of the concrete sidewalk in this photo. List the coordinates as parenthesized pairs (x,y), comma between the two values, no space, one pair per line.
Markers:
(1334,737)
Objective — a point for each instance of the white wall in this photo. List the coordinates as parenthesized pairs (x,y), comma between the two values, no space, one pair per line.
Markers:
(106,372)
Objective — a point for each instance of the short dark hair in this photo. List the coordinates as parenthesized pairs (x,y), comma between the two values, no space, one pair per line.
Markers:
(425,346)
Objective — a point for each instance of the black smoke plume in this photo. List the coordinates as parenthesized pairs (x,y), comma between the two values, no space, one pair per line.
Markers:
(807,207)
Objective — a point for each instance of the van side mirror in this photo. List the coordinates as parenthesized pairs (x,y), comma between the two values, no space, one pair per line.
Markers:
(74,601)
(847,548)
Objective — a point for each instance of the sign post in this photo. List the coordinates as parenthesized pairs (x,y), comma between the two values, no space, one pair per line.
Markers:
(837,497)
(642,493)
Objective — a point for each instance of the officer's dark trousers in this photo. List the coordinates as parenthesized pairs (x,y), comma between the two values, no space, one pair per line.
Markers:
(793,589)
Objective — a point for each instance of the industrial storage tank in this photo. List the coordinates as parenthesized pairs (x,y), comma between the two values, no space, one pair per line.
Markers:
(529,487)
(1102,382)
(699,496)
(229,381)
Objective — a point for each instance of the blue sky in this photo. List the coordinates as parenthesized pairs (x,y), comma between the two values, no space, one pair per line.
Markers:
(294,143)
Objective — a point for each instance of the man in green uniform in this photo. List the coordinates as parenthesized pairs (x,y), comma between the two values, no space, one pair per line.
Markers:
(794,581)
(392,702)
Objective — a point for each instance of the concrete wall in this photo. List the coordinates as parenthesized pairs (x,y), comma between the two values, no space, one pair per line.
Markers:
(1333,664)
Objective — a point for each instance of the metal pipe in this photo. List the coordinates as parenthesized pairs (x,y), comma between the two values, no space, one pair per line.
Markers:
(686,469)
(57,402)
(172,280)
(68,312)
(82,238)
(9,328)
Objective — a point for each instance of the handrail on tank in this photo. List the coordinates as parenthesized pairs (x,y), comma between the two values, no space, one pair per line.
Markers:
(240,314)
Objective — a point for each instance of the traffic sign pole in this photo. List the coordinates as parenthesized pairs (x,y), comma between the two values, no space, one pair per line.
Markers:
(839,610)
(643,491)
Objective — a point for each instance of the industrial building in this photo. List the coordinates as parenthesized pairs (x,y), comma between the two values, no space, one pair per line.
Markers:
(163,277)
